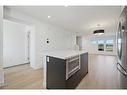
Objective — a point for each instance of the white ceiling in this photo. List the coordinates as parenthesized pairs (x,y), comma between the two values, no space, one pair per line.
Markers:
(83,19)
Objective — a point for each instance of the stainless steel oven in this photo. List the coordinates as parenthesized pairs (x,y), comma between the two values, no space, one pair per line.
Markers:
(72,65)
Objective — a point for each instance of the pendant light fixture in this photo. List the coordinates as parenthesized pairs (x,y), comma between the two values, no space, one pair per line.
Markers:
(98,31)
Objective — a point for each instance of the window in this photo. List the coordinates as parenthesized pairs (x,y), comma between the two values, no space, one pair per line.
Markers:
(94,42)
(101,45)
(101,42)
(109,41)
(109,45)
(104,45)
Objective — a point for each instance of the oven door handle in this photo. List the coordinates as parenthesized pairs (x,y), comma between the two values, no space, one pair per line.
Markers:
(121,69)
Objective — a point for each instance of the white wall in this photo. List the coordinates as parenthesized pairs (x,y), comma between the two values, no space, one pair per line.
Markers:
(13,43)
(59,38)
(93,48)
(1,47)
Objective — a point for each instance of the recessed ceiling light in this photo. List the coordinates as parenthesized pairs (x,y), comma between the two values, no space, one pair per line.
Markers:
(49,16)
(98,25)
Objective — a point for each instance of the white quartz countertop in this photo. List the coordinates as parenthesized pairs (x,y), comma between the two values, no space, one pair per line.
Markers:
(63,54)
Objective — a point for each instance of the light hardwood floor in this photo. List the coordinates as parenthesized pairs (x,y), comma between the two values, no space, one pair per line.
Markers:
(102,74)
(23,77)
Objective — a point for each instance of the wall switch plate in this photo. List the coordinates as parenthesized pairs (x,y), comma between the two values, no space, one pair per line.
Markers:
(47,40)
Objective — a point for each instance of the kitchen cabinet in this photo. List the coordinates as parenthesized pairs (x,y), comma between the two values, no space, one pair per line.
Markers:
(74,80)
(84,64)
(56,73)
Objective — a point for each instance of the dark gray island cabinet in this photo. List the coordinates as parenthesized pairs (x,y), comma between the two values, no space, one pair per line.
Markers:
(56,72)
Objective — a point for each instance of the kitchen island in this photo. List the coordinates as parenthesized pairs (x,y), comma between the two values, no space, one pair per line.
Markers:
(64,69)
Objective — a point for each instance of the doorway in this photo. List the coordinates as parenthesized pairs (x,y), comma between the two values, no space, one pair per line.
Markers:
(16,44)
(79,42)
(18,55)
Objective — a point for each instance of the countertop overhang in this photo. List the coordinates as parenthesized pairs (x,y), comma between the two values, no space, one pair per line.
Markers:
(63,54)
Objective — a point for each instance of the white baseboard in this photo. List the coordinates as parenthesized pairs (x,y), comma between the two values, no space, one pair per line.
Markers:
(37,67)
(15,65)
(103,54)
